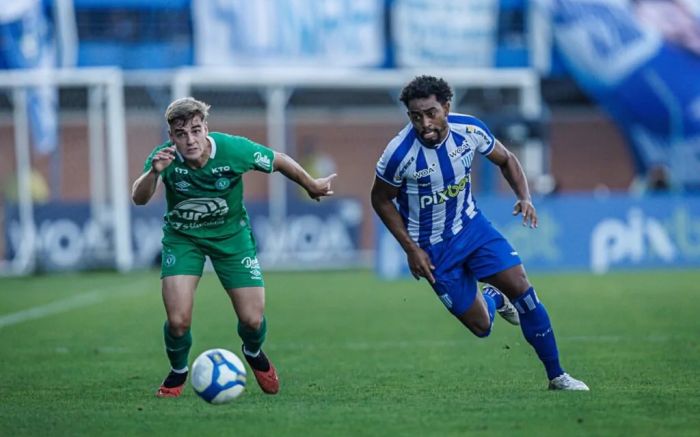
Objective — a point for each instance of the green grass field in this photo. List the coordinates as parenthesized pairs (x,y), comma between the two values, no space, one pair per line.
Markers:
(83,355)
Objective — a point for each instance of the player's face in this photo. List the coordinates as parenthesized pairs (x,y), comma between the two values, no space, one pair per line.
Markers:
(429,119)
(190,137)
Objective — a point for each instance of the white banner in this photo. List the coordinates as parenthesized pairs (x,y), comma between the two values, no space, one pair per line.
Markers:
(335,33)
(453,33)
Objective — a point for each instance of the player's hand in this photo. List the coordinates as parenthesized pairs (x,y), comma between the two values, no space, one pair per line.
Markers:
(321,187)
(527,209)
(420,264)
(163,159)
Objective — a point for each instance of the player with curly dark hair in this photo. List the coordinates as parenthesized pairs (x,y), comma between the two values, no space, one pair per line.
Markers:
(422,193)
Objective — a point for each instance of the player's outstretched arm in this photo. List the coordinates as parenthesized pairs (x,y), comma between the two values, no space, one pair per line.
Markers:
(382,201)
(315,187)
(145,186)
(514,174)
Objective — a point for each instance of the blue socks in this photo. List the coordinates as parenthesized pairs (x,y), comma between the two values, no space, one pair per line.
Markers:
(494,295)
(537,330)
(491,308)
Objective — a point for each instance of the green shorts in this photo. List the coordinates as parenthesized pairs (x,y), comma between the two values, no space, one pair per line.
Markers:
(234,257)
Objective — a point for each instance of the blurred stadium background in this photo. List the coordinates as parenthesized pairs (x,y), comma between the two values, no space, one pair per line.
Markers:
(600,99)
(588,100)
(593,116)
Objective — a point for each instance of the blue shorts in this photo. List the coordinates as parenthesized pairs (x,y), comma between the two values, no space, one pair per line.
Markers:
(477,252)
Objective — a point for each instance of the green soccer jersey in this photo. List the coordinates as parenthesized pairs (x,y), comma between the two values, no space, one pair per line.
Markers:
(208,202)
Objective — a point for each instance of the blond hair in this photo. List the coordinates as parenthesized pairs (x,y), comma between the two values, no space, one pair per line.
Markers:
(185,109)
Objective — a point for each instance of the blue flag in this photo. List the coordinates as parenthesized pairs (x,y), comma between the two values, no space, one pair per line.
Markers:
(645,78)
(26,43)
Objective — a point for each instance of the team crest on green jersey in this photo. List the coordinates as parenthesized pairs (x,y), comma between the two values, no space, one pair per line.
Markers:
(222,183)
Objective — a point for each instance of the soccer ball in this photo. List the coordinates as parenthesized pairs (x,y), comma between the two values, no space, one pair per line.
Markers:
(218,376)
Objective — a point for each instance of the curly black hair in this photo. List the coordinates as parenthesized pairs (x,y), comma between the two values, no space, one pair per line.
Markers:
(425,86)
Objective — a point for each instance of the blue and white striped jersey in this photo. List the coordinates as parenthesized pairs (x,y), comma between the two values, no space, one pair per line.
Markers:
(435,199)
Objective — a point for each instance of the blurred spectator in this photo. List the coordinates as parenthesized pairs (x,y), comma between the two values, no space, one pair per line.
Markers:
(673,19)
(39,189)
(656,180)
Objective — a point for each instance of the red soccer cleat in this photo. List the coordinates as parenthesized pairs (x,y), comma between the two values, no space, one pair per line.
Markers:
(172,385)
(267,379)
(169,392)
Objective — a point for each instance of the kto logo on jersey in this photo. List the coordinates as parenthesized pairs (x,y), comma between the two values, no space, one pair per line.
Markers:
(262,161)
(223,168)
(443,196)
(181,170)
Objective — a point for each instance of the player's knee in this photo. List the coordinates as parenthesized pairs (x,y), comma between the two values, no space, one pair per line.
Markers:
(179,325)
(251,321)
(481,330)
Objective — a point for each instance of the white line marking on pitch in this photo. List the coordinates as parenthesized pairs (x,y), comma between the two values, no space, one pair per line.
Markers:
(59,306)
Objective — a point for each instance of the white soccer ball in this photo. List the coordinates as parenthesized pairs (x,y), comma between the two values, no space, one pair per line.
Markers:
(218,376)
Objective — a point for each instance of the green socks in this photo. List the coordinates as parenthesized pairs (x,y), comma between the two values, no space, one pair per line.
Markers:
(177,348)
(252,339)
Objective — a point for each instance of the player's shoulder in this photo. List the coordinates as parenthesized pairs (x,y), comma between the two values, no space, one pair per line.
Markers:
(228,144)
(402,141)
(225,139)
(465,122)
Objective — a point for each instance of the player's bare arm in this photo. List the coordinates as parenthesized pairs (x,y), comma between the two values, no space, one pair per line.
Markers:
(315,187)
(145,186)
(382,201)
(514,174)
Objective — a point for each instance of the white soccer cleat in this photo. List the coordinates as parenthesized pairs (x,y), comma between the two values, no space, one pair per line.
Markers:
(507,311)
(567,382)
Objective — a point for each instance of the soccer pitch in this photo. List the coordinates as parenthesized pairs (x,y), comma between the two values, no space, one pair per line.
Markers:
(83,355)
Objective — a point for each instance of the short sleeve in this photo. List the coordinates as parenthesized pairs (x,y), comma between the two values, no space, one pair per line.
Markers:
(485,139)
(249,155)
(384,171)
(396,159)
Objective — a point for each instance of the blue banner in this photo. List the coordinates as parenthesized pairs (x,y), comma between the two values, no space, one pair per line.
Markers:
(452,33)
(585,233)
(313,235)
(641,72)
(327,33)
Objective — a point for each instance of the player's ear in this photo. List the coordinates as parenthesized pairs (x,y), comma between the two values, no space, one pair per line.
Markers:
(446,106)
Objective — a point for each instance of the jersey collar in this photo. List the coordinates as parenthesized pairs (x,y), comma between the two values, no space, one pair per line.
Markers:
(437,146)
(213,147)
